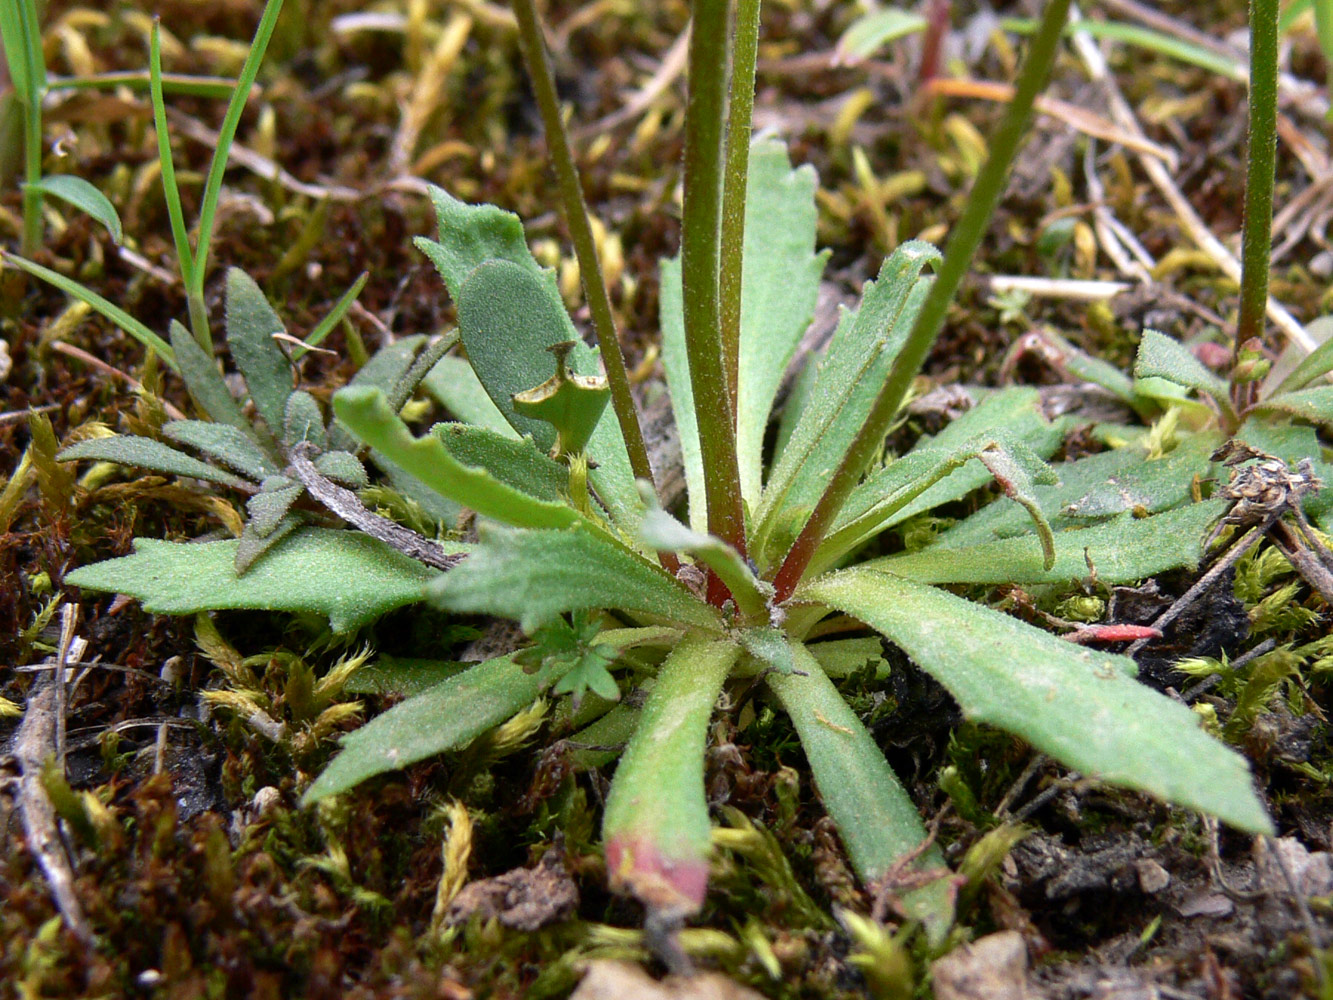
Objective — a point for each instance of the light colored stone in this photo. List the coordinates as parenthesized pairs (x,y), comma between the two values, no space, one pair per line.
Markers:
(605,980)
(992,968)
(1153,878)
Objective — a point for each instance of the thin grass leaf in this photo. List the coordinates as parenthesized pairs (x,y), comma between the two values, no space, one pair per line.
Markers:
(226,135)
(1145,38)
(335,315)
(84,294)
(170,188)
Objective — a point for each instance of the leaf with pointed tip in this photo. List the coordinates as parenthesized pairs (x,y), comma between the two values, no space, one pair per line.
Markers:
(366,413)
(448,716)
(1160,356)
(86,198)
(656,822)
(252,545)
(1122,550)
(227,444)
(1314,365)
(1078,705)
(770,647)
(869,32)
(251,324)
(145,453)
(939,472)
(342,467)
(1314,405)
(533,576)
(270,506)
(859,358)
(1105,485)
(572,404)
(470,235)
(876,819)
(303,421)
(383,369)
(348,576)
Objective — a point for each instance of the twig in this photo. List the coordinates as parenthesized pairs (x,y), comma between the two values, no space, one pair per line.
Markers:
(349,507)
(1058,288)
(69,619)
(670,69)
(34,744)
(1016,789)
(1212,680)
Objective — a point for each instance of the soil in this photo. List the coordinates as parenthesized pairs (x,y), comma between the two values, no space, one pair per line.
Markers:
(194,868)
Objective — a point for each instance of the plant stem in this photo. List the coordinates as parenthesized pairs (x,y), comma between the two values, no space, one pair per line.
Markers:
(218,167)
(1257,238)
(962,245)
(699,258)
(740,110)
(35,73)
(580,232)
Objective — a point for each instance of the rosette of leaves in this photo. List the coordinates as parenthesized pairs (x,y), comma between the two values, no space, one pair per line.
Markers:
(293,465)
(540,559)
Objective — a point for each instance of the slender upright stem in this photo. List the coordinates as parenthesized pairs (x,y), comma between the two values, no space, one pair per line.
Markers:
(700,245)
(1257,237)
(962,245)
(213,184)
(35,74)
(740,110)
(580,232)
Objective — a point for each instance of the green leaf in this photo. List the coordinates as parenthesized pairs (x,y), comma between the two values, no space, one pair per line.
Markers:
(199,369)
(779,285)
(1099,486)
(145,453)
(470,235)
(878,822)
(843,657)
(1080,706)
(1314,365)
(448,716)
(533,576)
(366,413)
(382,370)
(340,308)
(86,198)
(252,546)
(251,324)
(663,533)
(455,386)
(869,32)
(516,463)
(402,676)
(508,318)
(1314,405)
(1122,550)
(303,421)
(770,647)
(1162,357)
(859,357)
(343,467)
(270,506)
(102,306)
(348,576)
(223,442)
(589,673)
(656,822)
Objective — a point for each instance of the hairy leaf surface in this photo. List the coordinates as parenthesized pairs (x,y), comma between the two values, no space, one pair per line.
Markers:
(251,324)
(348,576)
(1081,706)
(145,453)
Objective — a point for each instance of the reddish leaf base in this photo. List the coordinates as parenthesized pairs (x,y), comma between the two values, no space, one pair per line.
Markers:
(667,886)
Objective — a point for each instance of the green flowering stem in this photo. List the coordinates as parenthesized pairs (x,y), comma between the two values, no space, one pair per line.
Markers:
(963,243)
(1261,158)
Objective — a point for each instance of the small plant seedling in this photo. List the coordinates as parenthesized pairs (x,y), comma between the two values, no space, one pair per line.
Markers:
(619,595)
